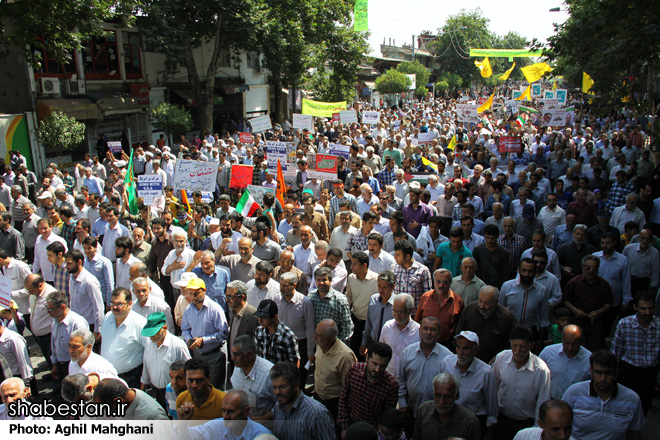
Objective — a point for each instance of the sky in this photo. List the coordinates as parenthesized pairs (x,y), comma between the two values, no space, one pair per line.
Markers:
(401,19)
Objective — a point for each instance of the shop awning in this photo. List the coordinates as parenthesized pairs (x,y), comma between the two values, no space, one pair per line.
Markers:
(370,84)
(236,89)
(118,105)
(79,108)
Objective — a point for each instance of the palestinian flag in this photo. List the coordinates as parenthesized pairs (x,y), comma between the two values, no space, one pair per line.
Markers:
(247,205)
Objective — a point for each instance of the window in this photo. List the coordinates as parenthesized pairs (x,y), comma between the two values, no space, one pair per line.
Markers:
(253,61)
(50,67)
(132,62)
(225,58)
(99,57)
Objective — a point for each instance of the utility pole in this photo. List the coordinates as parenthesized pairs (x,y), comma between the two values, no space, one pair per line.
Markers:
(413,48)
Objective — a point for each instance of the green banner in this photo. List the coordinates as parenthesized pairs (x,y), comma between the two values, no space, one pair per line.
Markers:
(361,16)
(504,53)
(522,108)
(322,109)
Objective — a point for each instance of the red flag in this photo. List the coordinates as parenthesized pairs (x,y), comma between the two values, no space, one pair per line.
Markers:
(241,176)
(280,194)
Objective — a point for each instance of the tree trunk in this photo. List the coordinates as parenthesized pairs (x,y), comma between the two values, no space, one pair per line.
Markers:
(277,114)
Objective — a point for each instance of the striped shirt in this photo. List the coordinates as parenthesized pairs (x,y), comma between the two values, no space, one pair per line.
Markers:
(635,344)
(307,420)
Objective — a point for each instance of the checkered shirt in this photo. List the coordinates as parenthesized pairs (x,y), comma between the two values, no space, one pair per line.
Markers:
(334,206)
(415,281)
(281,346)
(68,233)
(334,306)
(457,212)
(69,183)
(618,193)
(356,242)
(386,177)
(61,279)
(139,163)
(515,248)
(636,345)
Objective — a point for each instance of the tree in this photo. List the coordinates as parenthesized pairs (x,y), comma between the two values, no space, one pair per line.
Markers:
(392,82)
(171,119)
(60,133)
(61,24)
(421,75)
(615,43)
(453,80)
(176,28)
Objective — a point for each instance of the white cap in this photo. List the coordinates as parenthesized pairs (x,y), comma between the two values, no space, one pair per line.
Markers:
(45,195)
(120,163)
(185,278)
(470,336)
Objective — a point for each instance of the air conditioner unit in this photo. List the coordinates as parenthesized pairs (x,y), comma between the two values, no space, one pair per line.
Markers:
(74,87)
(49,86)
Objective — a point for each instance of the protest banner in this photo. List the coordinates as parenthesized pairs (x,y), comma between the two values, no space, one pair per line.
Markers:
(510,144)
(193,175)
(467,112)
(537,90)
(259,191)
(371,117)
(241,176)
(321,109)
(303,121)
(348,116)
(548,94)
(5,292)
(336,117)
(561,95)
(555,118)
(114,147)
(325,166)
(549,105)
(515,94)
(261,124)
(276,150)
(340,150)
(149,186)
(245,138)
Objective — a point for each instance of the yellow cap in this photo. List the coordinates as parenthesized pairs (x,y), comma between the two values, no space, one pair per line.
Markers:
(196,283)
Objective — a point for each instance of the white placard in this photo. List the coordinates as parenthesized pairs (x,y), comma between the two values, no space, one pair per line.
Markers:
(424,138)
(149,186)
(369,117)
(549,94)
(303,121)
(348,116)
(276,150)
(537,90)
(5,291)
(467,113)
(413,79)
(561,95)
(193,175)
(261,124)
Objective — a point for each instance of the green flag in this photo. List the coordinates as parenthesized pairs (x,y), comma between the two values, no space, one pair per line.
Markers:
(361,16)
(129,186)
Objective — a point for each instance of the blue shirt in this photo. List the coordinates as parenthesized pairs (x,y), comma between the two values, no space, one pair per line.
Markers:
(504,200)
(99,227)
(307,420)
(565,371)
(529,307)
(616,271)
(216,284)
(101,268)
(109,237)
(209,323)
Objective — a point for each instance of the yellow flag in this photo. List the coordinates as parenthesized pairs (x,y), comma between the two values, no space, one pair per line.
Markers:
(452,143)
(484,67)
(486,105)
(535,72)
(506,74)
(526,94)
(428,163)
(587,82)
(554,85)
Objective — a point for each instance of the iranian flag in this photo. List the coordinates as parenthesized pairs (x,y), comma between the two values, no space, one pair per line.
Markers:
(247,205)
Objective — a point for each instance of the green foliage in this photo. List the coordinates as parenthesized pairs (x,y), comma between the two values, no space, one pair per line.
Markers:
(453,80)
(60,133)
(469,30)
(171,119)
(63,24)
(442,86)
(392,82)
(613,42)
(421,75)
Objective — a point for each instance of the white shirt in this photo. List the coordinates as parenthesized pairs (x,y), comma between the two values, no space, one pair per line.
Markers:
(94,364)
(301,257)
(157,360)
(14,349)
(551,219)
(521,391)
(398,340)
(17,272)
(383,262)
(41,256)
(122,279)
(186,256)
(40,320)
(257,385)
(255,295)
(621,216)
(153,305)
(123,346)
(338,239)
(532,434)
(111,234)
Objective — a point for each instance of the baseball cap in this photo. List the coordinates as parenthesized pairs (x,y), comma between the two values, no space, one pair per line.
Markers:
(214,222)
(470,336)
(45,195)
(267,309)
(185,279)
(120,163)
(196,283)
(155,322)
(528,211)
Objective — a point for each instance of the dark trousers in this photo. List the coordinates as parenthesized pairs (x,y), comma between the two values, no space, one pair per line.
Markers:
(132,377)
(507,428)
(29,254)
(159,395)
(333,407)
(609,319)
(356,339)
(97,345)
(302,350)
(593,331)
(62,372)
(18,225)
(640,380)
(218,363)
(44,345)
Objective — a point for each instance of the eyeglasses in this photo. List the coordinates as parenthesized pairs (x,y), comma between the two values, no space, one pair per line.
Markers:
(50,309)
(117,305)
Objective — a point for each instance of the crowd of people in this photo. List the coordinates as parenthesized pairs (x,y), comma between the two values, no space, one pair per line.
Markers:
(430,290)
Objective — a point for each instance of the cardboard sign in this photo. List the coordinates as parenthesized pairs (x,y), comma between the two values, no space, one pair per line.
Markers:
(348,116)
(241,176)
(325,166)
(258,192)
(261,124)
(303,121)
(340,150)
(336,117)
(245,138)
(114,147)
(556,118)
(510,144)
(5,292)
(276,150)
(537,90)
(561,95)
(370,117)
(549,94)
(549,105)
(193,175)
(424,138)
(150,186)
(467,113)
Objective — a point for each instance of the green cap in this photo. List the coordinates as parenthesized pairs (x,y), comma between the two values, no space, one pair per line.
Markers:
(155,322)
